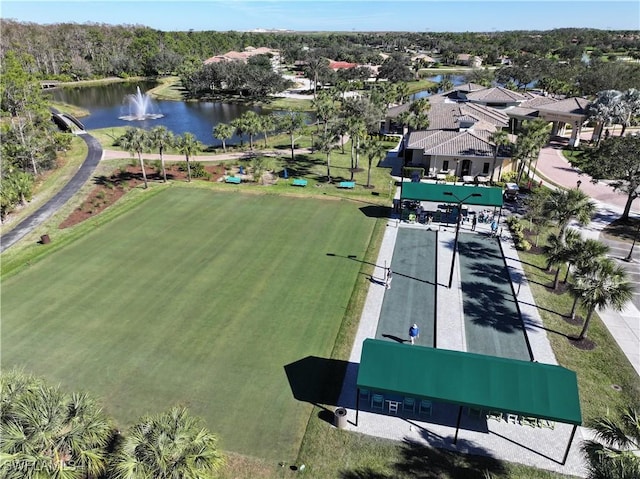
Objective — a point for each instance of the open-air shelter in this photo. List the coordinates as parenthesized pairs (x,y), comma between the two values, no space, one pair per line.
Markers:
(489,383)
(451,194)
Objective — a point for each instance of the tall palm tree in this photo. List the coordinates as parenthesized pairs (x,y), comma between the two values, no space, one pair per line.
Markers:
(375,150)
(357,130)
(630,107)
(160,137)
(267,125)
(223,131)
(188,146)
(614,452)
(605,285)
(291,122)
(534,135)
(562,206)
(326,144)
(604,110)
(48,433)
(325,108)
(171,445)
(584,252)
(135,142)
(498,138)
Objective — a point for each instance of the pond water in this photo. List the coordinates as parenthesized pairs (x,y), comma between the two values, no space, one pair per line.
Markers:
(108,103)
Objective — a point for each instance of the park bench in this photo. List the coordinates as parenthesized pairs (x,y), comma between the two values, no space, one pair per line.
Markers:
(299,182)
(233,179)
(347,184)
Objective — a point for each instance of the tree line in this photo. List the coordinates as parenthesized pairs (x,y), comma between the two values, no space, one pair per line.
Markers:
(70,51)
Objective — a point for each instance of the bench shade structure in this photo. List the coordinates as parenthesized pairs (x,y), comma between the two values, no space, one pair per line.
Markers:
(489,196)
(478,381)
(525,388)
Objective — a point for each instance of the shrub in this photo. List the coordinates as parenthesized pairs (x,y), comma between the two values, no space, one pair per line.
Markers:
(509,177)
(523,245)
(198,171)
(407,171)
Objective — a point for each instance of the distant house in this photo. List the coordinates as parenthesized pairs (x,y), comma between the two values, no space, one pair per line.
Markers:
(469,60)
(335,66)
(423,59)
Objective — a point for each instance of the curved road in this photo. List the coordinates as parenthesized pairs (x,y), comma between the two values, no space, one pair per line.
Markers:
(50,207)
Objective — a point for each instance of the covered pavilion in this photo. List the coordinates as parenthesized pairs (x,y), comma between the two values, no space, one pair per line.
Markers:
(488,383)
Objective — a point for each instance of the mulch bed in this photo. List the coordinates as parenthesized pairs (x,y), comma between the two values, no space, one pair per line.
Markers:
(110,189)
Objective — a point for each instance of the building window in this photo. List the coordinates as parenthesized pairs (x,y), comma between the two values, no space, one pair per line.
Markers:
(445,165)
(485,168)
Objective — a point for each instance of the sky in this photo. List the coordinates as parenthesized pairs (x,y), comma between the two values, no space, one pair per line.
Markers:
(348,15)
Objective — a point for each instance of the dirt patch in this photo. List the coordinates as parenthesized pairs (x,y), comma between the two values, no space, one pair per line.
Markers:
(585,344)
(110,189)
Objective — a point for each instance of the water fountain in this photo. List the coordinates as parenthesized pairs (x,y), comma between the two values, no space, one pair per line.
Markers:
(141,107)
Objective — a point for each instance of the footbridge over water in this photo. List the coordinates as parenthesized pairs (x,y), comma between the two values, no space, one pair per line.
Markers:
(66,122)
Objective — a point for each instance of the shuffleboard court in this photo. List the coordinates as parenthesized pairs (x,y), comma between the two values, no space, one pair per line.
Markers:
(195,298)
(493,325)
(411,298)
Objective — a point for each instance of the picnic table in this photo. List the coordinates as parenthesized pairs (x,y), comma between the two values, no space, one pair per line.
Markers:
(233,179)
(347,184)
(299,182)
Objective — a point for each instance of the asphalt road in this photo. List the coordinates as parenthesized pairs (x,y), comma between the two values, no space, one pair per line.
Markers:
(50,207)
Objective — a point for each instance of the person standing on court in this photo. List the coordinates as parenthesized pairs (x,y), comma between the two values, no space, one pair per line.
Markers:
(389,278)
(474,221)
(414,332)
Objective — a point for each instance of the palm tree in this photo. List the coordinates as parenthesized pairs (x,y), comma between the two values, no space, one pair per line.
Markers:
(167,446)
(48,433)
(223,132)
(585,256)
(613,453)
(562,206)
(134,141)
(160,137)
(604,110)
(326,144)
(605,285)
(499,139)
(534,135)
(291,122)
(629,106)
(357,130)
(557,254)
(249,123)
(325,109)
(375,150)
(267,124)
(188,146)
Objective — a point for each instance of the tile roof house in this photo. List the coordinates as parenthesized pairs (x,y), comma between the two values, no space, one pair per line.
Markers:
(461,122)
(469,60)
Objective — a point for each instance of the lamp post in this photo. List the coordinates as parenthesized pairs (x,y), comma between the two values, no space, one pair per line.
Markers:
(635,238)
(455,241)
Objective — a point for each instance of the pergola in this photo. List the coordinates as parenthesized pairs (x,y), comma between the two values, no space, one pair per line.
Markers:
(531,389)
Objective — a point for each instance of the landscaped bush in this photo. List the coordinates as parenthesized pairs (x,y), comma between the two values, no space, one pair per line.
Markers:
(509,177)
(523,245)
(198,171)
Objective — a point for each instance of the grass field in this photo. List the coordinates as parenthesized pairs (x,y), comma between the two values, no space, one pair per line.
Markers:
(197,298)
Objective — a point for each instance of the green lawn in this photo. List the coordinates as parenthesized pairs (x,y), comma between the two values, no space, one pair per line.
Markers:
(198,298)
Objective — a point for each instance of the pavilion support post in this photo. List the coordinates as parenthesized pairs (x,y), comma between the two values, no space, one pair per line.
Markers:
(455,438)
(357,404)
(566,453)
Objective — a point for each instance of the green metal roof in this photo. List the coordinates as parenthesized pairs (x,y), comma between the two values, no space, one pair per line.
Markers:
(489,195)
(520,387)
